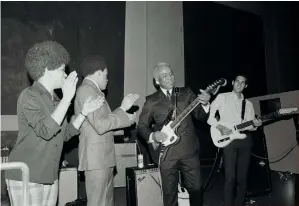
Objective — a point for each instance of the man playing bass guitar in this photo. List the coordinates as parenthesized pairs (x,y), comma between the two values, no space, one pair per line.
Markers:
(183,156)
(232,109)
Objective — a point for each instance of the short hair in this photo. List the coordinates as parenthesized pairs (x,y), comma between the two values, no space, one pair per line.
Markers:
(242,75)
(47,54)
(92,63)
(158,67)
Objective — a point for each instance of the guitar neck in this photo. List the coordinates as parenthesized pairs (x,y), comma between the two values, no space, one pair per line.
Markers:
(244,125)
(211,89)
(185,113)
(263,118)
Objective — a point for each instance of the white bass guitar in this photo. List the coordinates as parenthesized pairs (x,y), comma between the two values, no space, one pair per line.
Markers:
(221,141)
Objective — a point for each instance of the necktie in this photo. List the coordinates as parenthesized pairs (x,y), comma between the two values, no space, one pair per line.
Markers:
(168,95)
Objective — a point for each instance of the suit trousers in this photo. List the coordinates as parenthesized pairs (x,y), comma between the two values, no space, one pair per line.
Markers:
(236,164)
(99,187)
(190,172)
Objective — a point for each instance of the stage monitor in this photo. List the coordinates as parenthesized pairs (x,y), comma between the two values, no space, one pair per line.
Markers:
(269,105)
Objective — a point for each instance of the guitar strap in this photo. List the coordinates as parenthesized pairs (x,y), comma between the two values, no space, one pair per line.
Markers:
(243,109)
(176,93)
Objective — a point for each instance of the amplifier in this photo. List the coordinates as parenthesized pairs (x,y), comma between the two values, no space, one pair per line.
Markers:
(259,181)
(143,186)
(68,185)
(126,156)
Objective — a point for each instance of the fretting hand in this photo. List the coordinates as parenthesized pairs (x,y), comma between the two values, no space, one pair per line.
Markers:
(91,105)
(257,122)
(204,97)
(128,101)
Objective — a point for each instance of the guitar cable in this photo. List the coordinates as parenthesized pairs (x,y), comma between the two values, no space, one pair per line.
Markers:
(284,154)
(176,92)
(160,177)
(211,173)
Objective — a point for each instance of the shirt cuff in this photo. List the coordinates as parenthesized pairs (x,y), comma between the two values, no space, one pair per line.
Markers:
(123,109)
(72,130)
(206,107)
(52,124)
(150,140)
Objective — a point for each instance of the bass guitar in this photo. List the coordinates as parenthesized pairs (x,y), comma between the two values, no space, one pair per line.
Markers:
(221,141)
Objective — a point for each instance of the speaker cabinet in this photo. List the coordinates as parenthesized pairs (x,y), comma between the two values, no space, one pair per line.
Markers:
(68,185)
(143,186)
(126,156)
(259,178)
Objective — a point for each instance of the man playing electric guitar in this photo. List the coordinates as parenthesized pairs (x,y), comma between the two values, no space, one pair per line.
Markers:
(182,156)
(234,110)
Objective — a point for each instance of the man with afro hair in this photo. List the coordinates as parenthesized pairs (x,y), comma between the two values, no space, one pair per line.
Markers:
(42,124)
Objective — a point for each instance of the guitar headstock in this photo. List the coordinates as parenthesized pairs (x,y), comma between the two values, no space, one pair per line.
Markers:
(214,87)
(287,111)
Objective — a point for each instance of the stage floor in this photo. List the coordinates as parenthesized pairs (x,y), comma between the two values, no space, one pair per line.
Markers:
(283,192)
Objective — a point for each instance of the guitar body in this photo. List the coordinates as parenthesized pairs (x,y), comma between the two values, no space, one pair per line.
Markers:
(159,153)
(220,140)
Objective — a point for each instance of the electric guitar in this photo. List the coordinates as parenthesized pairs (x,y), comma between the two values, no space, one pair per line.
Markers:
(170,125)
(221,141)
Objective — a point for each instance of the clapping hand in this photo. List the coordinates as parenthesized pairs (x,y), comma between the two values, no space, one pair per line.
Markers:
(128,101)
(69,86)
(91,105)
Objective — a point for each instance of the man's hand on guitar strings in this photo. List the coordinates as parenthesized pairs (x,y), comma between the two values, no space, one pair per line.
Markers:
(224,130)
(204,97)
(155,145)
(159,136)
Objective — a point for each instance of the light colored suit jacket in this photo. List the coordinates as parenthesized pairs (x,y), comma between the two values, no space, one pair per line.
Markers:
(96,146)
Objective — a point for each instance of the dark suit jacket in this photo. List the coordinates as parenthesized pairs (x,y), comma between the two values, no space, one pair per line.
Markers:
(155,111)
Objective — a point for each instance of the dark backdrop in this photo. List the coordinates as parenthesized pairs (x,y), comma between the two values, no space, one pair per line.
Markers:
(82,27)
(220,41)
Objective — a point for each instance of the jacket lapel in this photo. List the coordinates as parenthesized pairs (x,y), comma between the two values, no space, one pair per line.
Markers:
(162,96)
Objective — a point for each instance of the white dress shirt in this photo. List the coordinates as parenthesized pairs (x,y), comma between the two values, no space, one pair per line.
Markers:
(229,107)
